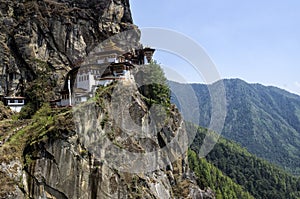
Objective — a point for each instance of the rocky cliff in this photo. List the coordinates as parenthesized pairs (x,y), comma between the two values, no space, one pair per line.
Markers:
(53,36)
(115,145)
(99,149)
(97,152)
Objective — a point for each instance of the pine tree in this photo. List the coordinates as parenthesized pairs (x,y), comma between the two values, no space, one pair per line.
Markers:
(153,84)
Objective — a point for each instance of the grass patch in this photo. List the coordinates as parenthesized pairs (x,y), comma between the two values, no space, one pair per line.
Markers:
(45,123)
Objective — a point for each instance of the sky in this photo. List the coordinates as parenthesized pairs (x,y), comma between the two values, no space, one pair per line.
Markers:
(257,41)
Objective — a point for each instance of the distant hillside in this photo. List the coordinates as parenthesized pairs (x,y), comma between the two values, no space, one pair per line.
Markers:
(254,175)
(265,120)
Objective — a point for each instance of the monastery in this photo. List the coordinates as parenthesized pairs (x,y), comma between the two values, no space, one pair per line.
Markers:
(109,65)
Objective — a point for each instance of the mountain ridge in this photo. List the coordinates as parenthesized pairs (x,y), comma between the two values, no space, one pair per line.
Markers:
(256,176)
(264,119)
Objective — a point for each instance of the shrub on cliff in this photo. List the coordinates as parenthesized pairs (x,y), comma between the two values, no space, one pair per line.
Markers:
(39,91)
(153,84)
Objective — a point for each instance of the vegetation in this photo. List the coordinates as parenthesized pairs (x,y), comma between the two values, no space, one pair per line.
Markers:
(265,120)
(153,84)
(230,170)
(5,112)
(209,176)
(21,134)
(40,90)
(258,177)
(45,122)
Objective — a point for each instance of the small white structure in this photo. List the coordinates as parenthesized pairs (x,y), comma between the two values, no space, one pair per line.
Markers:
(105,81)
(81,95)
(81,98)
(65,98)
(94,75)
(109,53)
(85,78)
(15,103)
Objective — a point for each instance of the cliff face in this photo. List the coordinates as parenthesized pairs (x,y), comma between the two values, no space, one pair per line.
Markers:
(101,155)
(53,36)
(106,148)
(114,146)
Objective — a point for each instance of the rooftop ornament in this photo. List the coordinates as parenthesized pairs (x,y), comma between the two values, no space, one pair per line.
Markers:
(148,52)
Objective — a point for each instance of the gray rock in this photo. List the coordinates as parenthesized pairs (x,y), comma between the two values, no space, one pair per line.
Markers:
(58,33)
(104,157)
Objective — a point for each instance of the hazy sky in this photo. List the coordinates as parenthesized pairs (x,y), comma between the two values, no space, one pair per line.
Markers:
(257,41)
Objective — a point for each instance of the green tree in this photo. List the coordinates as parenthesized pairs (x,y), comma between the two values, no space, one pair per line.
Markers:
(40,90)
(153,84)
(210,176)
(257,176)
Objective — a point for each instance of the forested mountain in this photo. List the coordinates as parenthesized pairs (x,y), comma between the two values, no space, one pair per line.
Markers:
(260,178)
(265,120)
(209,175)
